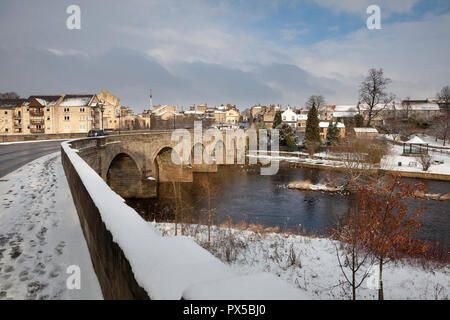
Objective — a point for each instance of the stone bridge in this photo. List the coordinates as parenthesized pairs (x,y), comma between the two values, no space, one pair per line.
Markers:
(134,164)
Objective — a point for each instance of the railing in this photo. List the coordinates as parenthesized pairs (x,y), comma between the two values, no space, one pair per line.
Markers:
(34,113)
(36,130)
(36,121)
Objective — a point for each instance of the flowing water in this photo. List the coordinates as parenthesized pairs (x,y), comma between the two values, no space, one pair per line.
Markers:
(245,195)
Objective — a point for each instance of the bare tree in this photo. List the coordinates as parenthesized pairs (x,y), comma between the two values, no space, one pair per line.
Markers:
(424,160)
(406,104)
(373,94)
(442,123)
(359,158)
(350,234)
(317,100)
(210,191)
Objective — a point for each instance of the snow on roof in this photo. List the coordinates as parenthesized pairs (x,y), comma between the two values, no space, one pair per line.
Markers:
(324,124)
(76,101)
(194,112)
(167,267)
(417,106)
(344,114)
(415,140)
(346,108)
(366,130)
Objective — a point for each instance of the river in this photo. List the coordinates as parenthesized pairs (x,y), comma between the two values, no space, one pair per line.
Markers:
(245,195)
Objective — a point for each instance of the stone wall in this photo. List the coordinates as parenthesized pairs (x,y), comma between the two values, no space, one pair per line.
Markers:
(111,266)
(35,137)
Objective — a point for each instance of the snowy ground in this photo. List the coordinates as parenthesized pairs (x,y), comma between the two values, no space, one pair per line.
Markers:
(411,164)
(389,162)
(315,268)
(40,235)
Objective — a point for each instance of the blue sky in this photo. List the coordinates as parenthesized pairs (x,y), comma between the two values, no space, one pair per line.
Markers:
(228,51)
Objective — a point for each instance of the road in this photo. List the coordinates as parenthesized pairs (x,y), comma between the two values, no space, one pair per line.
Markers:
(14,156)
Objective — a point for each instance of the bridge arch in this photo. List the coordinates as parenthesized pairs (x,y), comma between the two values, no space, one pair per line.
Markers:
(124,176)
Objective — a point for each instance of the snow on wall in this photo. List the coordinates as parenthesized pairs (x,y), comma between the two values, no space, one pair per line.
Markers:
(166,267)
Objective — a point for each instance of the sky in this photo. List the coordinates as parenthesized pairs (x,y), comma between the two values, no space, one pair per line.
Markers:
(242,52)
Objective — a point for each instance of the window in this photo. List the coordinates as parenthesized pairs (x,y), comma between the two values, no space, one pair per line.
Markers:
(6,112)
(66,109)
(28,127)
(6,129)
(82,127)
(82,118)
(28,109)
(48,127)
(67,128)
(48,118)
(38,126)
(48,109)
(82,110)
(6,120)
(66,118)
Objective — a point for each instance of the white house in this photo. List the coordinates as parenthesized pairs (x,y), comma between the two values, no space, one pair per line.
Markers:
(289,117)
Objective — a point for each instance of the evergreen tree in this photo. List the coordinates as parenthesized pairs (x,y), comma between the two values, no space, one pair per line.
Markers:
(359,121)
(332,133)
(277,119)
(312,133)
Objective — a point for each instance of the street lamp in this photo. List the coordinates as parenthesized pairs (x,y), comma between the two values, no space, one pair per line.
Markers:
(102,109)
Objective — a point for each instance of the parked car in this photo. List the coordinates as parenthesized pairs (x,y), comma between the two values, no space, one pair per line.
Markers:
(97,133)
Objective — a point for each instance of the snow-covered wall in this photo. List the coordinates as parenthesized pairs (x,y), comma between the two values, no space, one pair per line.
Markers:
(133,261)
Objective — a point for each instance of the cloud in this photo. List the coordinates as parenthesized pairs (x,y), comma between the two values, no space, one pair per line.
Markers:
(359,6)
(217,51)
(290,34)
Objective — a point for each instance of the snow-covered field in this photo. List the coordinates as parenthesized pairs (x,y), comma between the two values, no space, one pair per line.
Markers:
(411,164)
(315,269)
(40,235)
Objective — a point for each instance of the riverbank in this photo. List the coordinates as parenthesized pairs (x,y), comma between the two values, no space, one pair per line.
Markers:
(394,163)
(310,263)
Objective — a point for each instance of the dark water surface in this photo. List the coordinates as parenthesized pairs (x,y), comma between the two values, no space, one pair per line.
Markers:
(245,195)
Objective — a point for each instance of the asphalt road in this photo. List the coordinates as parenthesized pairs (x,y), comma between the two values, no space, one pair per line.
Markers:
(14,156)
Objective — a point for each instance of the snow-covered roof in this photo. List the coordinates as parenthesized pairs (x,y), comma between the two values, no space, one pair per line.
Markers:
(344,114)
(76,100)
(193,112)
(417,106)
(346,108)
(324,124)
(415,140)
(366,130)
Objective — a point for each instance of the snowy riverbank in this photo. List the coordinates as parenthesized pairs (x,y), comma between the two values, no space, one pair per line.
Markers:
(310,264)
(40,235)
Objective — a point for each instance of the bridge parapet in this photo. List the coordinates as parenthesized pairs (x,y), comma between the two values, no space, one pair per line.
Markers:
(133,261)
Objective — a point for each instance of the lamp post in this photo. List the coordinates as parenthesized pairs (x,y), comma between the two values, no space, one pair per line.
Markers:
(102,109)
(120,113)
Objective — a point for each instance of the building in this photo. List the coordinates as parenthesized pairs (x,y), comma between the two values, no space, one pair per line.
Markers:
(52,114)
(301,122)
(232,117)
(366,132)
(269,116)
(111,113)
(165,112)
(323,125)
(289,117)
(14,118)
